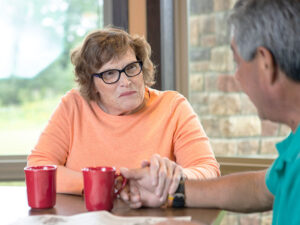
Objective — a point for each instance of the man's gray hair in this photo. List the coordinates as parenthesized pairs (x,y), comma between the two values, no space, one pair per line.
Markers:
(273,24)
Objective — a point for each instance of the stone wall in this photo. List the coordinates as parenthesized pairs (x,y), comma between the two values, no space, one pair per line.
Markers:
(226,113)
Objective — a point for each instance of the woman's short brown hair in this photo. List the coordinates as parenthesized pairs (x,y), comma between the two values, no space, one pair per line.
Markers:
(99,47)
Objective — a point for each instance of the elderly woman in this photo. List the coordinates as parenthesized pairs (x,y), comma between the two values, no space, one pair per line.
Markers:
(116,119)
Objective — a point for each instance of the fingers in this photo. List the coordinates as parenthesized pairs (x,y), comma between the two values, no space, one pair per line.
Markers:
(145,163)
(164,173)
(168,176)
(133,173)
(135,205)
(124,194)
(165,178)
(135,198)
(178,173)
(131,195)
(151,184)
(154,168)
(134,193)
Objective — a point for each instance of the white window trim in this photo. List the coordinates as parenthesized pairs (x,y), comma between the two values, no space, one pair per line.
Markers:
(242,164)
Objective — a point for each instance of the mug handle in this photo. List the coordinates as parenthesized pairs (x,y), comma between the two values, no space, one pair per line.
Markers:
(124,182)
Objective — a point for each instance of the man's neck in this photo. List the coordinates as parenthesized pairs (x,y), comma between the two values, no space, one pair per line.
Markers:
(291,104)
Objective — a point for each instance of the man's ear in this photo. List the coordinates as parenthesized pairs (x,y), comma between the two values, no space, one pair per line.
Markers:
(267,65)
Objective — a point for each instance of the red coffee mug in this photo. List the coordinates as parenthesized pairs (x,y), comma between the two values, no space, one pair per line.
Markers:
(41,186)
(100,187)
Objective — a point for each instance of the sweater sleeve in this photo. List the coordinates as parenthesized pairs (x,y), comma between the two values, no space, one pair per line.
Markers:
(53,148)
(191,145)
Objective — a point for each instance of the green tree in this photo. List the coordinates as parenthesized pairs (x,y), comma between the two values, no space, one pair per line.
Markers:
(63,21)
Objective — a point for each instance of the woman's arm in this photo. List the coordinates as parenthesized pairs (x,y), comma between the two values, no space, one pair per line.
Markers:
(191,145)
(69,181)
(53,148)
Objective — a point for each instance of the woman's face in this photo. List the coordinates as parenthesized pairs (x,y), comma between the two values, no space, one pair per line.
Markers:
(125,96)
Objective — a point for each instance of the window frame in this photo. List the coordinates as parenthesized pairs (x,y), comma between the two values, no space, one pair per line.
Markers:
(11,167)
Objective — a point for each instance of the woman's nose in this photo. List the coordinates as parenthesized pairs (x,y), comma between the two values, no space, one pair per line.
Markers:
(124,80)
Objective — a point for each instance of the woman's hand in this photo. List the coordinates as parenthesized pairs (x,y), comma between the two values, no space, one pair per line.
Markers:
(165,175)
(150,185)
(139,191)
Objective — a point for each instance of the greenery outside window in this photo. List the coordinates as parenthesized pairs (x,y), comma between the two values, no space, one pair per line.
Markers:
(36,71)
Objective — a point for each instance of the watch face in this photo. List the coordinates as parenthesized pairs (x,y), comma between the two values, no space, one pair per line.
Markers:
(178,201)
(179,197)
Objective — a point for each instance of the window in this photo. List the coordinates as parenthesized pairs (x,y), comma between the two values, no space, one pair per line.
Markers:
(226,113)
(35,65)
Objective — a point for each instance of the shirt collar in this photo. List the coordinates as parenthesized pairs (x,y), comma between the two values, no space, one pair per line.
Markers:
(289,148)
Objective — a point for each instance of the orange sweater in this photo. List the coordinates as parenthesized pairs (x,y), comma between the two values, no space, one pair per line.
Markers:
(81,134)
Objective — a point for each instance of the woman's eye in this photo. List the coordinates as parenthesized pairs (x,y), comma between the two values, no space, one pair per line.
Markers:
(110,73)
(131,67)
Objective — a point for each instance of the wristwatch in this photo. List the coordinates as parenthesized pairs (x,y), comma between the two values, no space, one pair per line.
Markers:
(177,200)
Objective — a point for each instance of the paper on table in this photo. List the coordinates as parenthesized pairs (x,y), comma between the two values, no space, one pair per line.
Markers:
(93,218)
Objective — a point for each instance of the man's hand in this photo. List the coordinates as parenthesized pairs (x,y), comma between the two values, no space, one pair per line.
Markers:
(140,191)
(151,184)
(165,175)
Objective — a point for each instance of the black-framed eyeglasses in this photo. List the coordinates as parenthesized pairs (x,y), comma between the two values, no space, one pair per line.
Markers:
(113,76)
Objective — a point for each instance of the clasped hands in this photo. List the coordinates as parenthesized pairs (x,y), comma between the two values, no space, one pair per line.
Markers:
(150,185)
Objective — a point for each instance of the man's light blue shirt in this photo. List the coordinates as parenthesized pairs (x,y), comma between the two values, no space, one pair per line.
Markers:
(283,181)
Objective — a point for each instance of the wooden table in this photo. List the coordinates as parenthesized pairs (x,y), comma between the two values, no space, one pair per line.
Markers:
(13,205)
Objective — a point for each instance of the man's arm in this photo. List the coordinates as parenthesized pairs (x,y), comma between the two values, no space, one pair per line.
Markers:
(243,192)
